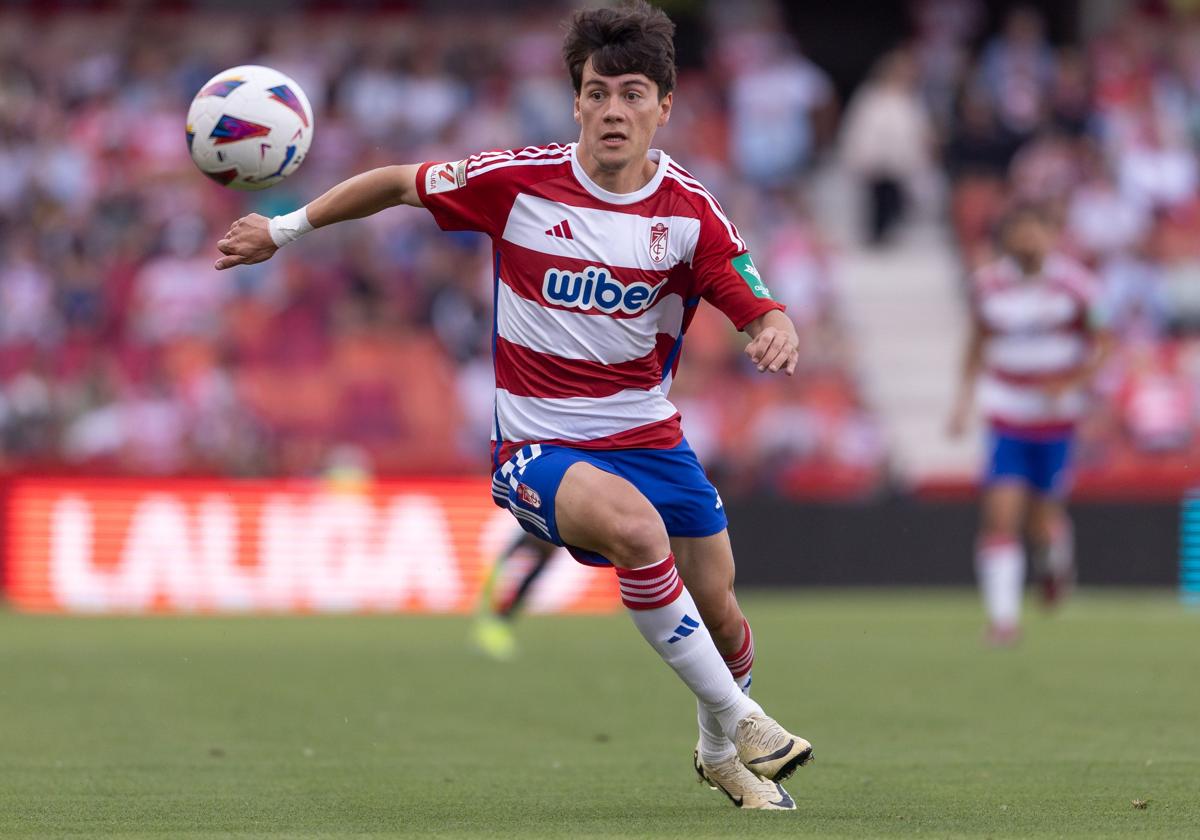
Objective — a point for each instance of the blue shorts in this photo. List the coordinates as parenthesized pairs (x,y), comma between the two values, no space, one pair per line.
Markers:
(672,479)
(1045,465)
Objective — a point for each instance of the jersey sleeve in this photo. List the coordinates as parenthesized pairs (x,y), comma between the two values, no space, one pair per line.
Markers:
(466,194)
(726,275)
(1098,310)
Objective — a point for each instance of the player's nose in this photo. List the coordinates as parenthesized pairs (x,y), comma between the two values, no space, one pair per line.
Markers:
(614,111)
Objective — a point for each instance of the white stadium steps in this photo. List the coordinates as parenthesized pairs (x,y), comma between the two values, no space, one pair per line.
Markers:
(905,312)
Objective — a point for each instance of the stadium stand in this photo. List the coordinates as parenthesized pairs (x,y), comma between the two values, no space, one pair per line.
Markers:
(122,352)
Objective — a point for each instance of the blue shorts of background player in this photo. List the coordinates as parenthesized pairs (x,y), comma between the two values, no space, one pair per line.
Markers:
(1042,463)
(672,479)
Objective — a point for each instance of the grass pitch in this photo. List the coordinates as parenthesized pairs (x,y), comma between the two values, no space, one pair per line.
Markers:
(391,726)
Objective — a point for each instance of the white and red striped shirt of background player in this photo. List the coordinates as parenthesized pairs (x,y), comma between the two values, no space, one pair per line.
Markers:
(1036,329)
(593,290)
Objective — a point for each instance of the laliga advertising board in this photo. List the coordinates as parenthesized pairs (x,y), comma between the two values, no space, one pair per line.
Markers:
(135,546)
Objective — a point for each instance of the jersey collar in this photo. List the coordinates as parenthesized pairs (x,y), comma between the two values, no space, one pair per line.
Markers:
(1051,265)
(599,192)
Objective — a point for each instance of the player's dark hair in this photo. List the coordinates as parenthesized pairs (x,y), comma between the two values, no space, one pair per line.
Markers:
(634,38)
(1024,209)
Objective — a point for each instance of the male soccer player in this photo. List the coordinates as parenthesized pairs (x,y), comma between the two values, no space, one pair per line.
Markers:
(493,625)
(1033,349)
(602,250)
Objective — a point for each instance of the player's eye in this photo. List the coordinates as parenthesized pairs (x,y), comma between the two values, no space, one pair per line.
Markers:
(595,96)
(633,96)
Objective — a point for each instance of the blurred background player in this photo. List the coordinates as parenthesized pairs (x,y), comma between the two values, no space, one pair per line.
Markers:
(1033,350)
(492,630)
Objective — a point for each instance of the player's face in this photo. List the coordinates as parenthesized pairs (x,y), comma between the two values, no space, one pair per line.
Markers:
(618,115)
(1028,238)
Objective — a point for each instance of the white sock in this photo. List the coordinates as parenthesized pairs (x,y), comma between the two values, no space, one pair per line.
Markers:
(1060,554)
(665,614)
(1000,565)
(714,746)
(1056,557)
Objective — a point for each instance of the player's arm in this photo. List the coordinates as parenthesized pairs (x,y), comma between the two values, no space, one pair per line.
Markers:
(1097,316)
(254,238)
(774,344)
(972,364)
(728,279)
(1101,348)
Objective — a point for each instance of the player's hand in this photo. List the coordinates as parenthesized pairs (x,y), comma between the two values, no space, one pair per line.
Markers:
(774,349)
(956,426)
(247,242)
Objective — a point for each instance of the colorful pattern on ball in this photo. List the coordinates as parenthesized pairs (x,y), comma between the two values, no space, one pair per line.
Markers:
(283,93)
(222,88)
(231,129)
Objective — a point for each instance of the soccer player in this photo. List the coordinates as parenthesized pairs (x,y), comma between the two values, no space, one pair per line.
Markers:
(1033,349)
(603,249)
(493,625)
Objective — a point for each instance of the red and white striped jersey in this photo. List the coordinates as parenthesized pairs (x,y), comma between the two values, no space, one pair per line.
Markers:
(593,290)
(1036,329)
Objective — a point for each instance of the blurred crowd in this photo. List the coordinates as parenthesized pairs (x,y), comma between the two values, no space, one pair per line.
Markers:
(1106,135)
(1103,131)
(368,346)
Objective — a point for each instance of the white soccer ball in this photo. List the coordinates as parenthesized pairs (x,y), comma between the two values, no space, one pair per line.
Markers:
(249,127)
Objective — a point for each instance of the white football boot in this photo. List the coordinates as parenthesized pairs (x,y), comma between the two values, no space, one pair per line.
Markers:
(744,789)
(768,750)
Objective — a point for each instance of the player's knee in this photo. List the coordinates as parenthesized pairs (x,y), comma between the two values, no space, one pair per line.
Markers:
(1046,524)
(728,629)
(638,539)
(999,522)
(999,528)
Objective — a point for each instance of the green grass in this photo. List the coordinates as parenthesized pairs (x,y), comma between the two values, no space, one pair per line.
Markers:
(390,726)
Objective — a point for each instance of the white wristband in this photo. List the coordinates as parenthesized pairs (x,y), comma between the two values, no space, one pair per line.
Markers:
(289,227)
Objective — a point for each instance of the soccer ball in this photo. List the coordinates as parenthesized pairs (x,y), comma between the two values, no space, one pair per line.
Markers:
(249,127)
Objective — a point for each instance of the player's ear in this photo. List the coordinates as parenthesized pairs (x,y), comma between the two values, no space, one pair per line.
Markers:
(578,116)
(664,109)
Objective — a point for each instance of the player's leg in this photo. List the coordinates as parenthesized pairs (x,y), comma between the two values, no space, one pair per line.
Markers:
(492,628)
(606,515)
(1000,558)
(1051,535)
(999,552)
(707,568)
(487,592)
(1052,540)
(539,553)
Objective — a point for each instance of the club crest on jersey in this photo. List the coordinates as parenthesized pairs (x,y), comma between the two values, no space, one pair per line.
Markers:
(594,288)
(529,496)
(658,242)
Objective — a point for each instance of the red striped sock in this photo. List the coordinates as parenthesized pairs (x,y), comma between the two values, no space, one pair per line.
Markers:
(650,587)
(665,614)
(742,660)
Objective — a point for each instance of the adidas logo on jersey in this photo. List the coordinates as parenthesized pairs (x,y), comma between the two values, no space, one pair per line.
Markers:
(593,288)
(562,230)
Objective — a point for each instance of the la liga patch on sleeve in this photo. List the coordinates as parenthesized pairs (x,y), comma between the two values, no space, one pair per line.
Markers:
(444,177)
(744,265)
